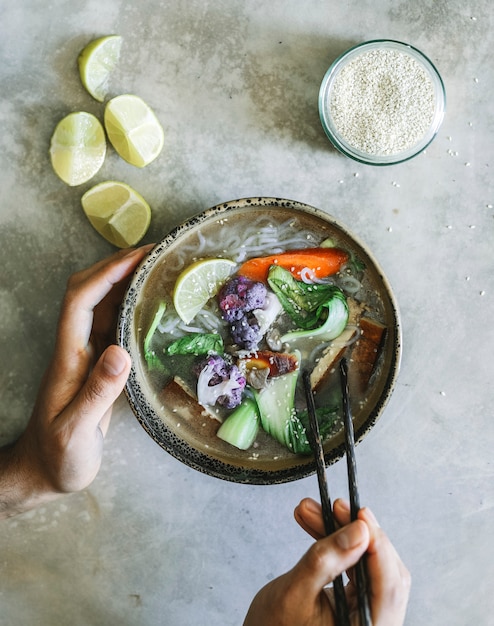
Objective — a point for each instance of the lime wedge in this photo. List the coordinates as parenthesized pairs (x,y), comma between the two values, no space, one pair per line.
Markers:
(118,212)
(133,129)
(96,62)
(78,147)
(199,282)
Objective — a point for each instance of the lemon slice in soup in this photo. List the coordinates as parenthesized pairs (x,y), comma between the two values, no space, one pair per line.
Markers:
(198,283)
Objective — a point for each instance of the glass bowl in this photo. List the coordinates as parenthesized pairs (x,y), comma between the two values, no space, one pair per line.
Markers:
(382,102)
(173,421)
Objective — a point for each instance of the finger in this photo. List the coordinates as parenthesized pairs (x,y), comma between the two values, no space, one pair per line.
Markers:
(308,515)
(341,510)
(73,355)
(85,290)
(105,318)
(389,578)
(72,359)
(91,408)
(328,558)
(82,274)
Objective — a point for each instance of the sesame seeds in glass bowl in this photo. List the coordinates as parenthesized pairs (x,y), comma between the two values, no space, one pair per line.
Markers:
(382,102)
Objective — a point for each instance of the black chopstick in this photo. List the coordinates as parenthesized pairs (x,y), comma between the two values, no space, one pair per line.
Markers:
(342,616)
(361,581)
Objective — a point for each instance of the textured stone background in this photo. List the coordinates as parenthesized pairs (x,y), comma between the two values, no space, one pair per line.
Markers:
(235,85)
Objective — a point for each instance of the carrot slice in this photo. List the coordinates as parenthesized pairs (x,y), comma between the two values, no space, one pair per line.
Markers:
(321,261)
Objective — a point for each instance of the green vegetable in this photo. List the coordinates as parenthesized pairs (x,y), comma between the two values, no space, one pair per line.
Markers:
(326,417)
(161,308)
(151,358)
(197,344)
(304,303)
(331,328)
(356,264)
(276,404)
(241,427)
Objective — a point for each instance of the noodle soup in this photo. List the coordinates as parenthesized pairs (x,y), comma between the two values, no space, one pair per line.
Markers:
(239,231)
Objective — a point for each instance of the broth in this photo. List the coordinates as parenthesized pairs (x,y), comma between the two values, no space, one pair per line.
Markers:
(238,236)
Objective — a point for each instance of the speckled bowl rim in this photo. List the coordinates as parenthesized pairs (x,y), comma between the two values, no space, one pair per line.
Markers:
(339,142)
(158,430)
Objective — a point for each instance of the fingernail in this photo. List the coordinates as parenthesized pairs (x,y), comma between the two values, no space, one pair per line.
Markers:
(311,506)
(114,361)
(349,536)
(343,504)
(146,248)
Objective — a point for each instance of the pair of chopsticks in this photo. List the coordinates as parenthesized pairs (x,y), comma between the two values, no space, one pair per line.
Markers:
(341,606)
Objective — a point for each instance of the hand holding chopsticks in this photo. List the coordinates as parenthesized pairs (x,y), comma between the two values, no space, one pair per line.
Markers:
(341,607)
(300,596)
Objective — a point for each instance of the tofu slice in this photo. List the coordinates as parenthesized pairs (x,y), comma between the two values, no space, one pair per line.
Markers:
(367,349)
(179,395)
(333,353)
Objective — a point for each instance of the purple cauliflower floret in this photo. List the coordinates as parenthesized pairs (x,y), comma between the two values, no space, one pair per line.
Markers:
(239,296)
(246,332)
(219,382)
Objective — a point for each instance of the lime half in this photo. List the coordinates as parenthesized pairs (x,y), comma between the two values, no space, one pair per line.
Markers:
(198,283)
(96,63)
(78,147)
(118,212)
(133,129)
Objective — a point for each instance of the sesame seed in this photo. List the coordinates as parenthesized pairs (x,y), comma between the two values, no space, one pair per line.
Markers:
(382,102)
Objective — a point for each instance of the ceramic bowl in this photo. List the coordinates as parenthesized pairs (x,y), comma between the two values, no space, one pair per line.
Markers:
(382,102)
(171,423)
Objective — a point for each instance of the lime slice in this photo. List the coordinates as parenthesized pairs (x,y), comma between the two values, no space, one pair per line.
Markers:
(199,282)
(117,212)
(78,147)
(133,129)
(96,62)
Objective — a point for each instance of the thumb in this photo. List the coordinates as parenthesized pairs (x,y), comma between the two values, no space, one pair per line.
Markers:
(103,386)
(329,557)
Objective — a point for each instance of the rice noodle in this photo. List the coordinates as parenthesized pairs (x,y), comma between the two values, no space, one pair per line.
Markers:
(168,325)
(202,242)
(262,236)
(309,277)
(190,329)
(350,284)
(210,320)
